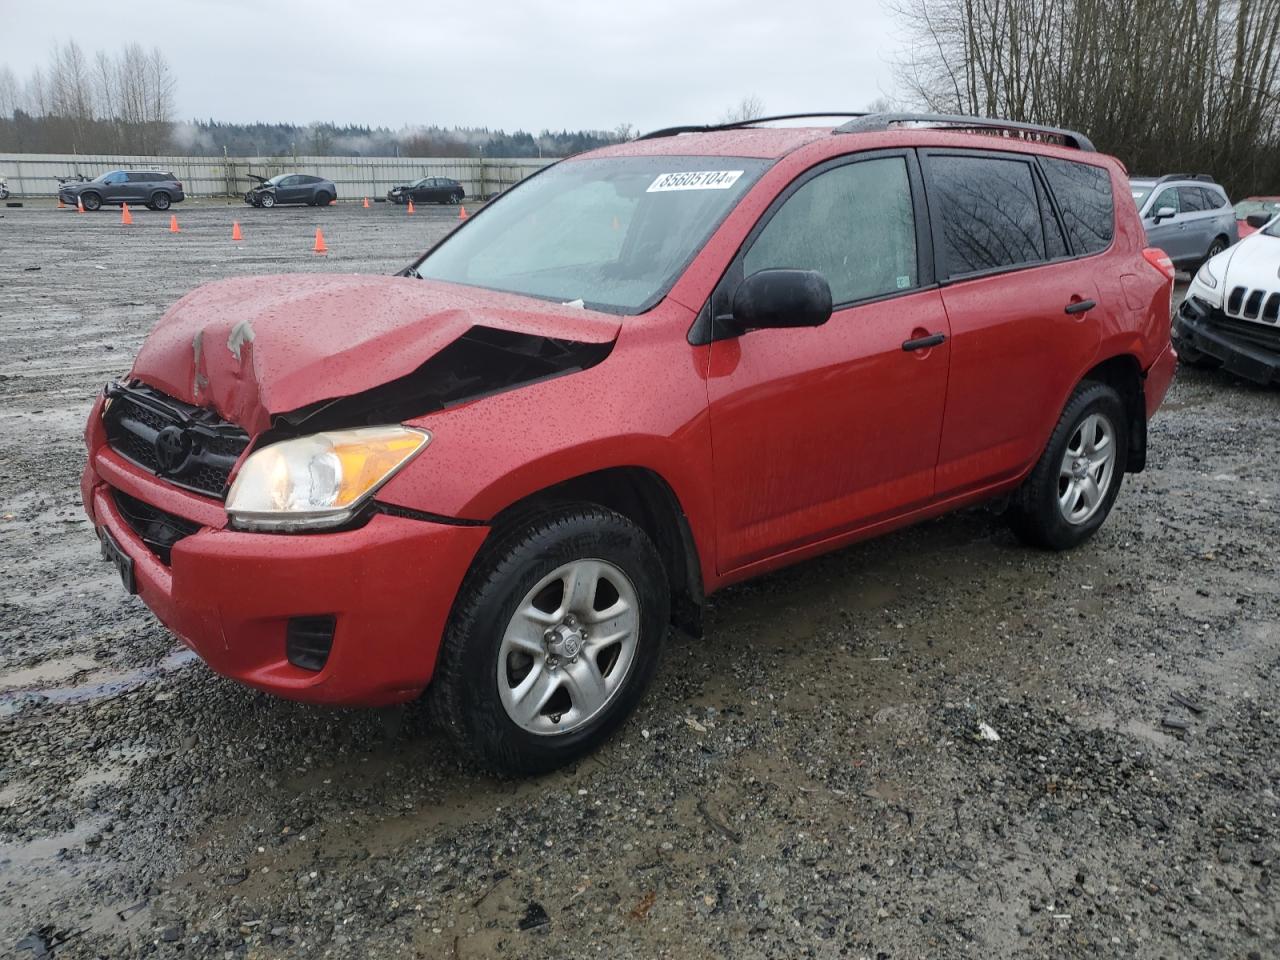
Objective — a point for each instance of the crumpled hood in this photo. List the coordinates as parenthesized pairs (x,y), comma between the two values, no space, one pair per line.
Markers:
(256,347)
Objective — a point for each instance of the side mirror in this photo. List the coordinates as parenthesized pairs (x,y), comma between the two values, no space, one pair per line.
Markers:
(781,298)
(1258,220)
(1164,213)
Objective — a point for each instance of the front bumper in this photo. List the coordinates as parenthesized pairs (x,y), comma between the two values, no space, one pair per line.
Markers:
(1244,348)
(229,595)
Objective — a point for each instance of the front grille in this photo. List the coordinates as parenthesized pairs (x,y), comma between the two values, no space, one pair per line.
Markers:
(1250,304)
(156,528)
(1264,335)
(191,447)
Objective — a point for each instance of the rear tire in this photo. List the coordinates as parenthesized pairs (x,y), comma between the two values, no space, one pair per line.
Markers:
(323,199)
(90,201)
(159,201)
(1073,486)
(527,654)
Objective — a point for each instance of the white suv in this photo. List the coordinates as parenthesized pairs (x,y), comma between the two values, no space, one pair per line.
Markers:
(1231,314)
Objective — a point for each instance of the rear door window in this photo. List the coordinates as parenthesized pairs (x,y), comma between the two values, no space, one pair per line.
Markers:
(986,213)
(1084,197)
(853,224)
(1212,199)
(1191,200)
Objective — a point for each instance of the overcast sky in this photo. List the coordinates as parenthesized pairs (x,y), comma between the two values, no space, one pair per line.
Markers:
(506,64)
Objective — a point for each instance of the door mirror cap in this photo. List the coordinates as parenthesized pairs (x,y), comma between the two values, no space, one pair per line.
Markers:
(1258,220)
(781,298)
(1164,213)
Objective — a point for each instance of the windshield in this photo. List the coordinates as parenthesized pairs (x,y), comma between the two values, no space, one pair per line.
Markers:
(1246,208)
(422,182)
(1140,192)
(102,177)
(612,233)
(1271,230)
(275,181)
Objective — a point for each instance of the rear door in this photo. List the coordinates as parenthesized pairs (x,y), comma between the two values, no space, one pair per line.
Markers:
(821,430)
(1198,221)
(1009,281)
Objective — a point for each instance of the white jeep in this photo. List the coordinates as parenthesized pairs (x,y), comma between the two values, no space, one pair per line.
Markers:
(1231,314)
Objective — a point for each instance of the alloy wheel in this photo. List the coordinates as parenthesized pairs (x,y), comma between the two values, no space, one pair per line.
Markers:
(569,646)
(1088,466)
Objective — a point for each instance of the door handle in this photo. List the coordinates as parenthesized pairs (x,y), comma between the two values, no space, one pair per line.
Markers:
(1079,306)
(924,343)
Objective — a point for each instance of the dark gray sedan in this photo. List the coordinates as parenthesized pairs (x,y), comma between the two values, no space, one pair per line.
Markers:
(291,188)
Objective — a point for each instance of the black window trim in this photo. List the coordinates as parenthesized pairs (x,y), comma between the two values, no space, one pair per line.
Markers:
(1062,222)
(1041,181)
(703,331)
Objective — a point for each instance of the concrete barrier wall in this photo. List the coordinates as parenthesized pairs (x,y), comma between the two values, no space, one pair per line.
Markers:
(36,175)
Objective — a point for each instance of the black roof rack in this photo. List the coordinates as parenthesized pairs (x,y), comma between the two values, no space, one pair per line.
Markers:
(870,122)
(740,124)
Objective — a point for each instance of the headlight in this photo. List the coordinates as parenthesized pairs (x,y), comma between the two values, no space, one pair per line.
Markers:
(319,481)
(1206,277)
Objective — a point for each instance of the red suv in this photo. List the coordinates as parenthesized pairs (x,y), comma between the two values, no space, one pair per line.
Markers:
(645,373)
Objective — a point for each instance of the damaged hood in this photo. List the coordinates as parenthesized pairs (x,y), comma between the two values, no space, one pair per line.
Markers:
(256,347)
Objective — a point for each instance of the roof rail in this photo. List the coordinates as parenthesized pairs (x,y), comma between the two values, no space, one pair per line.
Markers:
(1203,177)
(868,123)
(739,124)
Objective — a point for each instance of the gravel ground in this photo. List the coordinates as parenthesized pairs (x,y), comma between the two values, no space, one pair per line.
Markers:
(808,780)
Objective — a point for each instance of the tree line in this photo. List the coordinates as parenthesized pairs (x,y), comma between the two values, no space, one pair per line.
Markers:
(1165,85)
(124,103)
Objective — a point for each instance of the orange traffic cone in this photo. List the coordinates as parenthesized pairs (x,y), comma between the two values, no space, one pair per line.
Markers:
(235,231)
(79,205)
(320,247)
(410,210)
(173,224)
(126,217)
(61,205)
(462,212)
(366,203)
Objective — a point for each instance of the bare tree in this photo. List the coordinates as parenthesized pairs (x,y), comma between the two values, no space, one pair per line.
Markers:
(1201,92)
(10,91)
(748,108)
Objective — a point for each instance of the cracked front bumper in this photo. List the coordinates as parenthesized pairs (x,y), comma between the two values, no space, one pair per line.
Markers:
(1244,348)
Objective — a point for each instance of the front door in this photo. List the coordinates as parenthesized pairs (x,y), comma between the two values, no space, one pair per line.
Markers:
(1169,233)
(821,430)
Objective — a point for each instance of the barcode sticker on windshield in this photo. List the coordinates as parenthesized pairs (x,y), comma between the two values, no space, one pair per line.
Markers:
(695,180)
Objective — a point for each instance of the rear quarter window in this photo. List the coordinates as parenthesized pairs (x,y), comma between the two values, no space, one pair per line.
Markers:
(987,212)
(1085,201)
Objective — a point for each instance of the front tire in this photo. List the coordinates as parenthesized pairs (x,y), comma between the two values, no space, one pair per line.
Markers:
(267,200)
(554,637)
(90,201)
(1071,491)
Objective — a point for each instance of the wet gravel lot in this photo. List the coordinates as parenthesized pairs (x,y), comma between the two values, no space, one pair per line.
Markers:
(811,779)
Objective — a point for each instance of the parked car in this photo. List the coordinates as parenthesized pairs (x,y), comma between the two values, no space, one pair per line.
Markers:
(428,190)
(152,188)
(1255,207)
(1188,216)
(1230,316)
(648,372)
(291,188)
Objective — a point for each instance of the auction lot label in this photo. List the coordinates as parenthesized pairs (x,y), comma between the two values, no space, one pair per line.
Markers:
(695,180)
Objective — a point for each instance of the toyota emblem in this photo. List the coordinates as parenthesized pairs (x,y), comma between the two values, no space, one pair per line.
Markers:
(173,446)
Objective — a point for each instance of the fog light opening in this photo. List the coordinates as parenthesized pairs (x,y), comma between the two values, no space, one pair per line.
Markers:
(308,641)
